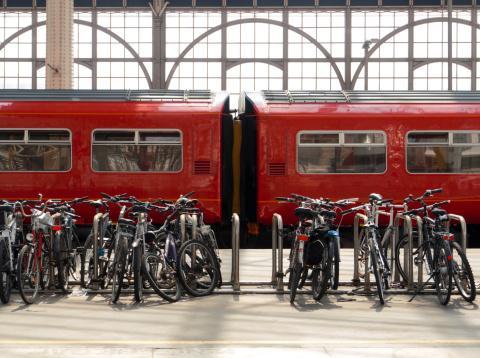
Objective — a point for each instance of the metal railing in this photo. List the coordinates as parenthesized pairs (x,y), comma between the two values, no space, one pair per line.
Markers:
(235,278)
(277,251)
(463,226)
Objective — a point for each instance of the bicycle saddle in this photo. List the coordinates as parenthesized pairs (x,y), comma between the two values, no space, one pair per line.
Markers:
(6,208)
(328,214)
(140,209)
(96,203)
(126,221)
(375,197)
(439,212)
(304,213)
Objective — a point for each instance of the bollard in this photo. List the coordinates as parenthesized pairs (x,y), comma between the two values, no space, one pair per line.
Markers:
(235,278)
(277,245)
(463,226)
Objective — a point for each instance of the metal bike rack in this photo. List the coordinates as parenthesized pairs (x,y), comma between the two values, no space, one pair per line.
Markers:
(463,225)
(407,255)
(235,252)
(356,250)
(183,220)
(419,222)
(277,251)
(96,219)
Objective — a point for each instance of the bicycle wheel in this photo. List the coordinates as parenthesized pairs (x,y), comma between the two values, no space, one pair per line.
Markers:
(47,262)
(86,266)
(119,263)
(462,273)
(162,276)
(378,275)
(320,277)
(137,272)
(398,261)
(295,276)
(5,274)
(60,252)
(443,272)
(196,268)
(28,273)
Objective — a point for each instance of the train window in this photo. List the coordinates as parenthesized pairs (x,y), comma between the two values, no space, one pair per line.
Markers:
(350,152)
(459,153)
(35,150)
(137,151)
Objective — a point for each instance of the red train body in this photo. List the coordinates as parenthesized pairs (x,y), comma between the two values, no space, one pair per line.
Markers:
(286,128)
(191,126)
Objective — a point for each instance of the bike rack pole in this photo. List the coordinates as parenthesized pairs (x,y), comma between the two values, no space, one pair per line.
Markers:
(194,221)
(96,220)
(182,227)
(277,245)
(356,245)
(463,225)
(420,251)
(407,253)
(235,252)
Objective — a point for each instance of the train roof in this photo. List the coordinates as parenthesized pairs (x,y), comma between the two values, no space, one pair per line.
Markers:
(308,101)
(211,101)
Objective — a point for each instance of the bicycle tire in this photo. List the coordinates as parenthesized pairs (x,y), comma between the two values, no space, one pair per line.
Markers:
(137,273)
(27,265)
(5,274)
(400,244)
(378,276)
(85,266)
(190,266)
(60,253)
(465,275)
(443,275)
(152,263)
(320,278)
(296,274)
(119,262)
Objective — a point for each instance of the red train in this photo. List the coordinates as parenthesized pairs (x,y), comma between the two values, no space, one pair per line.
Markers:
(163,143)
(350,144)
(148,144)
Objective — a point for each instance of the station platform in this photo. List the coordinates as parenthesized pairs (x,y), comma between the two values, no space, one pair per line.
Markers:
(247,324)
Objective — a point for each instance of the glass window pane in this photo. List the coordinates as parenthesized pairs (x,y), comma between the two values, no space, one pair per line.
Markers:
(114,136)
(12,135)
(137,158)
(364,138)
(435,159)
(28,157)
(34,135)
(466,138)
(312,160)
(428,137)
(322,138)
(360,159)
(160,137)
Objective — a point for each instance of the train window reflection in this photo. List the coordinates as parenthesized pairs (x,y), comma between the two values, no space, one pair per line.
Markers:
(355,152)
(42,151)
(461,154)
(151,151)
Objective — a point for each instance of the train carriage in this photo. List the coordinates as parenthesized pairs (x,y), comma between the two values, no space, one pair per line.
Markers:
(150,144)
(342,144)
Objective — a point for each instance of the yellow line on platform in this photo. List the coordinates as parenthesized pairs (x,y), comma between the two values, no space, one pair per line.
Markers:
(345,343)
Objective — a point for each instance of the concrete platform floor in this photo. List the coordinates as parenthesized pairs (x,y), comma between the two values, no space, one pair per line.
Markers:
(253,325)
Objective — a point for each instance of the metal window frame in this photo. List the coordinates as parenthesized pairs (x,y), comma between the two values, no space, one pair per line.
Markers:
(341,140)
(136,142)
(27,142)
(450,144)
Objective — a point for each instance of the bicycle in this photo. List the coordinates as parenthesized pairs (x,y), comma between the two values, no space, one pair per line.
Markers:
(370,250)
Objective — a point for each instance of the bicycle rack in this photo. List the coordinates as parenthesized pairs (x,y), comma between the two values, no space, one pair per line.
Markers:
(96,220)
(235,252)
(407,254)
(183,220)
(277,251)
(419,221)
(463,225)
(356,249)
